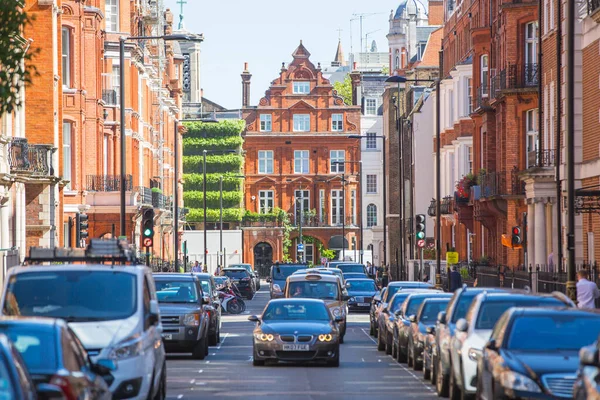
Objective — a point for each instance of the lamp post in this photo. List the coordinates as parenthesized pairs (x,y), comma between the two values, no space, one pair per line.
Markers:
(360,200)
(384,194)
(123,143)
(570,150)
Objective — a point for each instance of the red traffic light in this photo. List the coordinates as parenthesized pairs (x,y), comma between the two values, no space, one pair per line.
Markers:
(516,230)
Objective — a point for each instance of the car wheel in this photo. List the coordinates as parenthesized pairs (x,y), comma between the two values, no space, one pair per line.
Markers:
(388,345)
(454,390)
(394,350)
(380,344)
(213,339)
(409,357)
(162,389)
(336,361)
(199,351)
(426,374)
(206,347)
(401,356)
(371,329)
(441,381)
(342,338)
(433,376)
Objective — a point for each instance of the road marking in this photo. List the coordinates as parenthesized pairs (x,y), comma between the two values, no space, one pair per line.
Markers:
(201,371)
(222,341)
(208,362)
(363,360)
(369,336)
(213,354)
(379,360)
(200,383)
(180,396)
(250,359)
(192,381)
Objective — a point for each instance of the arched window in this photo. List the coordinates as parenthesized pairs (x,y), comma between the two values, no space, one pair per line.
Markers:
(371,215)
(397,59)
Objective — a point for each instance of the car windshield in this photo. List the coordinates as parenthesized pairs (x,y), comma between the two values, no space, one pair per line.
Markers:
(351,268)
(176,291)
(296,311)
(431,311)
(76,296)
(461,308)
(491,311)
(205,286)
(362,286)
(37,346)
(236,274)
(283,271)
(391,291)
(413,305)
(397,301)
(314,290)
(6,387)
(561,331)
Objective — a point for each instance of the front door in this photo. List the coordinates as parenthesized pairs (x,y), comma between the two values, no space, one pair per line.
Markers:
(263,259)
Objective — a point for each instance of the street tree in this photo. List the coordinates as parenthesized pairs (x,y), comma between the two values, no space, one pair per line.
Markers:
(344,89)
(15,55)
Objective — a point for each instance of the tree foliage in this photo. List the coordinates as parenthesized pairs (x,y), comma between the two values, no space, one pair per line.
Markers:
(344,89)
(15,54)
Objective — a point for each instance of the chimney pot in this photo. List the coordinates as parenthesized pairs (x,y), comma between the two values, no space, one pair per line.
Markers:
(245,66)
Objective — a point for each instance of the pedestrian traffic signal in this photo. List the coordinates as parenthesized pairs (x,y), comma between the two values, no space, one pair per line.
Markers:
(81,228)
(420,227)
(148,227)
(516,236)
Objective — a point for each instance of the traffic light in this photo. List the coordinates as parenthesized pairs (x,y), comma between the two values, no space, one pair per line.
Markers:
(81,228)
(148,227)
(420,228)
(516,236)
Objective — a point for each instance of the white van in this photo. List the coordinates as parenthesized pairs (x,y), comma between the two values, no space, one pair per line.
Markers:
(112,309)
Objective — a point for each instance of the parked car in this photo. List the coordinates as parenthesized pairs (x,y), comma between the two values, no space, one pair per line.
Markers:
(360,292)
(53,355)
(373,310)
(221,281)
(473,331)
(387,318)
(355,275)
(335,271)
(296,330)
(534,353)
(242,279)
(444,330)
(184,317)
(278,275)
(97,300)
(419,324)
(401,328)
(251,271)
(349,267)
(209,287)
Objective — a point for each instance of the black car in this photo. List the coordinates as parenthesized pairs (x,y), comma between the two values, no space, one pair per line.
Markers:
(534,353)
(242,279)
(54,355)
(296,330)
(209,287)
(361,292)
(251,271)
(418,331)
(387,319)
(183,313)
(350,268)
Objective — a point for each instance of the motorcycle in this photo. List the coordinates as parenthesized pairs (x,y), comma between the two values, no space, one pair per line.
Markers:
(231,299)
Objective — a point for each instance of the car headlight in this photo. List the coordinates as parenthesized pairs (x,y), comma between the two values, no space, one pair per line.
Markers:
(191,320)
(475,354)
(352,299)
(515,381)
(325,338)
(337,312)
(128,348)
(264,337)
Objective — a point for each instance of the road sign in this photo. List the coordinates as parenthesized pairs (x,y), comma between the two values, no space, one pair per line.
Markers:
(300,247)
(420,243)
(452,257)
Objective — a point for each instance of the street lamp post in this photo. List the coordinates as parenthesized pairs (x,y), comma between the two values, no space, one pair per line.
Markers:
(343,216)
(123,143)
(204,203)
(220,220)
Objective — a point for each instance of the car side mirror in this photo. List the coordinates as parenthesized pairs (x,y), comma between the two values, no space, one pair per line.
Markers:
(348,284)
(491,345)
(441,318)
(412,318)
(46,391)
(103,366)
(276,288)
(154,313)
(430,330)
(253,318)
(462,325)
(205,300)
(588,355)
(268,280)
(338,319)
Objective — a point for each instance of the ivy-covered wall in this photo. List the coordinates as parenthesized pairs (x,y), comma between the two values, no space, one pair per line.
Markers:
(219,139)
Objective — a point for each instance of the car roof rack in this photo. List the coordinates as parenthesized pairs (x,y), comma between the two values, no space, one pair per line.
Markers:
(98,251)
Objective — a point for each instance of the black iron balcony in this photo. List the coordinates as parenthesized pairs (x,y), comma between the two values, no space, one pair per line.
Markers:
(107,183)
(110,97)
(593,6)
(154,198)
(482,100)
(543,158)
(502,183)
(446,206)
(522,76)
(34,160)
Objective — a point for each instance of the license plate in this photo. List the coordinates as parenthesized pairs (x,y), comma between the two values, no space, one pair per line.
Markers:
(167,336)
(363,304)
(295,347)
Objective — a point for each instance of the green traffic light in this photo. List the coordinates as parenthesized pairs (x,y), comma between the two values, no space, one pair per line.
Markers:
(147,232)
(420,235)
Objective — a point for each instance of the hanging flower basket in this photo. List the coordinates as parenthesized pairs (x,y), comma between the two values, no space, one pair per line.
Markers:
(463,187)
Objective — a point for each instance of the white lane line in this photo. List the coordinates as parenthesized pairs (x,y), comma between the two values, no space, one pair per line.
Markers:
(363,360)
(180,396)
(213,354)
(208,362)
(192,381)
(200,371)
(379,360)
(200,383)
(369,336)
(222,341)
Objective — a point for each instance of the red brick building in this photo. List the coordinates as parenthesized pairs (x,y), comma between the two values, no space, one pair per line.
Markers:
(295,142)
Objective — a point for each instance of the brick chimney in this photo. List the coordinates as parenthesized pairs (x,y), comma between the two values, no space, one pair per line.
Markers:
(356,88)
(246,75)
(436,12)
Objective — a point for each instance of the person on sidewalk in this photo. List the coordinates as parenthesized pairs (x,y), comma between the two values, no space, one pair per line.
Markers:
(587,291)
(455,279)
(196,267)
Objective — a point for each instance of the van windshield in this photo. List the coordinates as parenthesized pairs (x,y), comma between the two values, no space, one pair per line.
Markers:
(283,271)
(176,291)
(75,296)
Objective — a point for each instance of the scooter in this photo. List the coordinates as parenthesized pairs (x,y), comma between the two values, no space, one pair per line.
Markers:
(231,299)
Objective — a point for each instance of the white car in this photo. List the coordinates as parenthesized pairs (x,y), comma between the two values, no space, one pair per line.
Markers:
(474,331)
(112,309)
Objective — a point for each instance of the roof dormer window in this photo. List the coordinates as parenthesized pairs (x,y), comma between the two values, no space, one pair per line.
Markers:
(301,87)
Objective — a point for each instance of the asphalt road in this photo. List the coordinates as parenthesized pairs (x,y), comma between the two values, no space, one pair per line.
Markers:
(227,373)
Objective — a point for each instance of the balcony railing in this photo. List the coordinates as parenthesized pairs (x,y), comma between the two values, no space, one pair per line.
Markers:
(482,100)
(154,198)
(547,158)
(502,183)
(34,160)
(107,183)
(446,206)
(522,75)
(593,6)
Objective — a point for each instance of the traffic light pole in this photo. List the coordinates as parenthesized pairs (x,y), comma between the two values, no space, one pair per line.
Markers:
(148,256)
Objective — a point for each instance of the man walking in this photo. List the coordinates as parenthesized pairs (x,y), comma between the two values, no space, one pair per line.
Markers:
(587,291)
(196,267)
(455,279)
(371,270)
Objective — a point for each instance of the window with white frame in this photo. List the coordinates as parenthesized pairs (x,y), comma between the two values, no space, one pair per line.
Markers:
(469,96)
(265,161)
(301,87)
(451,107)
(265,201)
(337,159)
(531,42)
(371,215)
(371,106)
(66,57)
(68,153)
(484,75)
(301,122)
(301,202)
(301,161)
(112,15)
(265,122)
(322,208)
(397,60)
(116,83)
(371,140)
(309,253)
(336,207)
(105,155)
(337,122)
(532,135)
(470,159)
(353,206)
(371,184)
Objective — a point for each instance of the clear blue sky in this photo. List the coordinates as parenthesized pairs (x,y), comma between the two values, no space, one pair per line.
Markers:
(264,33)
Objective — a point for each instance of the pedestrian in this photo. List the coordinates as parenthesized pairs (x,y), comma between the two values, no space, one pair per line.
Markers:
(455,279)
(371,270)
(218,270)
(426,279)
(196,267)
(587,291)
(385,276)
(205,269)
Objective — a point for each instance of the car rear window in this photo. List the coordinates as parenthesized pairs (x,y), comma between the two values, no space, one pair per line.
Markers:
(491,311)
(37,346)
(431,311)
(351,268)
(462,306)
(397,301)
(236,274)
